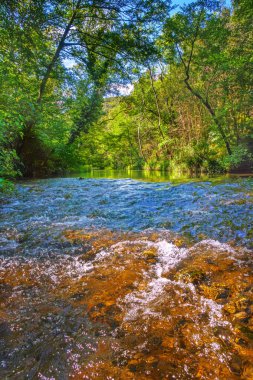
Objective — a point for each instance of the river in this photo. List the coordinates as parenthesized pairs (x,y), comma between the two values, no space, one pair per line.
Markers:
(119,278)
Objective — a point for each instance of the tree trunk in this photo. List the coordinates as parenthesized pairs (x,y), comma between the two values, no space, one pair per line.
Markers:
(56,55)
(156,102)
(211,112)
(30,124)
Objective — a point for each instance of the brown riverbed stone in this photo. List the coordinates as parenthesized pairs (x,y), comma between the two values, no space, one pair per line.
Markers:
(179,334)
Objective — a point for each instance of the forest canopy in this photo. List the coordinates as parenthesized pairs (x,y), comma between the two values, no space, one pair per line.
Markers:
(66,65)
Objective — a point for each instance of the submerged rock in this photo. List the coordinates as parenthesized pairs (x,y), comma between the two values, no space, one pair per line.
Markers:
(130,305)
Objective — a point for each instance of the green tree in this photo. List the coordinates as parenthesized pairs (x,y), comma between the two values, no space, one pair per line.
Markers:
(99,36)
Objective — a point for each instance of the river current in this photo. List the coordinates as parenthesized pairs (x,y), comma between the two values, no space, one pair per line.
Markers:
(125,279)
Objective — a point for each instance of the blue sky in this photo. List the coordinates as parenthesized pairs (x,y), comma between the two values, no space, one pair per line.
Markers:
(182,2)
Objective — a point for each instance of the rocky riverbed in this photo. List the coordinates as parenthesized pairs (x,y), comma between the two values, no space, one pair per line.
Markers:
(120,279)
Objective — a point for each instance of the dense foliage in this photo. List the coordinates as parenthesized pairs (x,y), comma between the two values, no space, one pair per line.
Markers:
(60,62)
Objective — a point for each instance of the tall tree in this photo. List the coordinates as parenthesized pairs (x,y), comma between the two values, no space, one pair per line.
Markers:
(185,34)
(97,34)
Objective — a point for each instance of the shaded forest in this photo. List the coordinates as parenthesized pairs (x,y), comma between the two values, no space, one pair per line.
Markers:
(65,67)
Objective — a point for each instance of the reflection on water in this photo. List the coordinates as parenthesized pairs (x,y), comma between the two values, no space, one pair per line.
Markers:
(155,175)
(120,279)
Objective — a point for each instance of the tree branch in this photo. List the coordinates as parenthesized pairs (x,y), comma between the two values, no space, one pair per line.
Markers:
(57,54)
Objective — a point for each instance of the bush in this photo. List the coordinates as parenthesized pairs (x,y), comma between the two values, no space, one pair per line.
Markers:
(8,164)
(240,158)
(6,186)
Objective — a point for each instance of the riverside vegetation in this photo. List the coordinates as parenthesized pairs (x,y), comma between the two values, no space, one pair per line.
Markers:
(64,63)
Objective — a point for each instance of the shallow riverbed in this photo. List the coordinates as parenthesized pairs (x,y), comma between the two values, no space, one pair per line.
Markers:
(124,279)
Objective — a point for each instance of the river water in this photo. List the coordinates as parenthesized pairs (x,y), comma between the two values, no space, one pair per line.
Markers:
(105,278)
